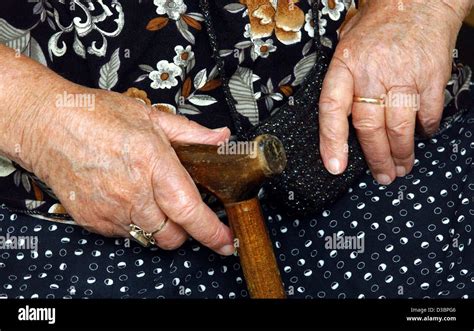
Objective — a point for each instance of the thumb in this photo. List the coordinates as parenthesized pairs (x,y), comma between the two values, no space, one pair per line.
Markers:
(179,129)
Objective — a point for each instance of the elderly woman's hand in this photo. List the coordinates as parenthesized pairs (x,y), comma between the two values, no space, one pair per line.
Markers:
(110,161)
(114,165)
(400,51)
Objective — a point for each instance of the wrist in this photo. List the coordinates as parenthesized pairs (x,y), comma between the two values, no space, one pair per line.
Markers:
(25,90)
(447,14)
(453,14)
(461,8)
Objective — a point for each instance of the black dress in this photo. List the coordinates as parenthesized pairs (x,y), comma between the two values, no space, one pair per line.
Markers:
(416,232)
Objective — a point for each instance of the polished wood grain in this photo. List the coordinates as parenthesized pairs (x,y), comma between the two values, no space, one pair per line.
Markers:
(235,179)
(255,250)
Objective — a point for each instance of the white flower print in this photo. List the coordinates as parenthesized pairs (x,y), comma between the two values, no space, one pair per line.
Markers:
(269,94)
(263,48)
(165,75)
(172,8)
(6,167)
(322,23)
(183,55)
(82,27)
(309,25)
(248,32)
(175,11)
(333,8)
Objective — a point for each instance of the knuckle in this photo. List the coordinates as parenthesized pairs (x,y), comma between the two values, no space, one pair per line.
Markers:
(186,209)
(161,172)
(429,123)
(181,121)
(328,105)
(403,155)
(403,89)
(158,118)
(400,129)
(377,162)
(405,161)
(183,118)
(143,156)
(138,160)
(330,134)
(333,149)
(214,238)
(368,126)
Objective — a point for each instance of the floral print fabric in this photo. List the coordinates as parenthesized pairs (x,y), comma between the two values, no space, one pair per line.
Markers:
(158,52)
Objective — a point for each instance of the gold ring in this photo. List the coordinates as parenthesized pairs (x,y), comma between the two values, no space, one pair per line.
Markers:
(372,101)
(162,225)
(145,238)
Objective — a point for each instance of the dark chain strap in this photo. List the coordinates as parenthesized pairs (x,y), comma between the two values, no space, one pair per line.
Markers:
(235,115)
(236,120)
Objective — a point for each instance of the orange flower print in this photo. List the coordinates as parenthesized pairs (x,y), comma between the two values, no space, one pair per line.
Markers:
(138,94)
(283,17)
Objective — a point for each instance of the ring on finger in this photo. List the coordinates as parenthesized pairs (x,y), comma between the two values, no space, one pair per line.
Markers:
(144,238)
(373,101)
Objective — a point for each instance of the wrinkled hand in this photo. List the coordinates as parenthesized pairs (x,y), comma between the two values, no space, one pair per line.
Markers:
(402,54)
(114,165)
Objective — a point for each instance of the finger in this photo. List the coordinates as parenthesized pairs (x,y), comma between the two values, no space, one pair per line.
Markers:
(179,198)
(150,218)
(180,129)
(369,122)
(431,109)
(334,107)
(171,236)
(400,118)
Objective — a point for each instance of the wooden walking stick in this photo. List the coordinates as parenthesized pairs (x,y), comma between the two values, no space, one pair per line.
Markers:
(235,179)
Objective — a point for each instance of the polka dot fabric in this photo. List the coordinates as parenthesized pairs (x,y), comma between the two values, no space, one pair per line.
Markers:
(417,232)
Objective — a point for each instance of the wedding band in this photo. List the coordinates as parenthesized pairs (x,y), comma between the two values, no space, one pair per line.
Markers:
(371,101)
(162,225)
(145,238)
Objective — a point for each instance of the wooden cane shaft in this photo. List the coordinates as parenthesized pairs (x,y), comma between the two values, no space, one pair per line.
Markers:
(235,179)
(255,250)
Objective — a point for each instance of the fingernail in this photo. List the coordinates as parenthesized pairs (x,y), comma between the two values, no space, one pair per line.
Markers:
(383,179)
(401,171)
(334,166)
(227,250)
(219,129)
